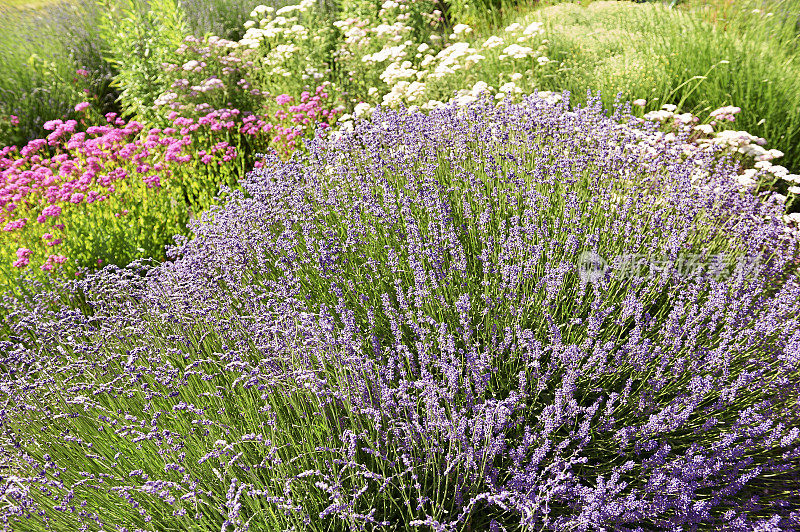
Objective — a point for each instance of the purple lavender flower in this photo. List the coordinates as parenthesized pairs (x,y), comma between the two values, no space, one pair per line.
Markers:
(394,331)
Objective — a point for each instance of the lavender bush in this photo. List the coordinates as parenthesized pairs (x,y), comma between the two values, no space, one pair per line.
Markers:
(393,332)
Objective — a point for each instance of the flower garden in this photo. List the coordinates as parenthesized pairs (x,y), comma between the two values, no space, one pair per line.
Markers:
(401,266)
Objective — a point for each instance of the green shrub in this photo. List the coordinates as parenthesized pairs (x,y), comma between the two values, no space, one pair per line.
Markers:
(141,37)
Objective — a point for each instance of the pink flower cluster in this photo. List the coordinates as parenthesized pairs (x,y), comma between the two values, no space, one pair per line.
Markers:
(312,111)
(23,258)
(70,169)
(52,261)
(724,113)
(15,224)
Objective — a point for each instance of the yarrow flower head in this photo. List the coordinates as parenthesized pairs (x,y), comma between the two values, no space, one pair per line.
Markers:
(23,258)
(725,113)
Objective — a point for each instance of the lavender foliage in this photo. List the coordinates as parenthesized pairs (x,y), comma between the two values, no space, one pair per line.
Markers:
(392,333)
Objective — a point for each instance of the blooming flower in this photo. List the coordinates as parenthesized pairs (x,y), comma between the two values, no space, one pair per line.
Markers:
(493,42)
(533,28)
(52,210)
(15,224)
(478,295)
(725,113)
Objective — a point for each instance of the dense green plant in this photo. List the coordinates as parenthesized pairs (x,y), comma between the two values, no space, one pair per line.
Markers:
(141,37)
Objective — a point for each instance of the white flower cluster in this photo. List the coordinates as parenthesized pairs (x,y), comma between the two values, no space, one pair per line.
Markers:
(404,90)
(396,72)
(518,51)
(744,143)
(386,53)
(209,84)
(165,99)
(704,138)
(355,33)
(493,42)
(667,113)
(268,23)
(515,51)
(534,28)
(404,73)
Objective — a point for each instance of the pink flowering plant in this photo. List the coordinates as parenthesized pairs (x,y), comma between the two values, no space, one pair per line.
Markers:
(121,191)
(72,95)
(294,119)
(112,193)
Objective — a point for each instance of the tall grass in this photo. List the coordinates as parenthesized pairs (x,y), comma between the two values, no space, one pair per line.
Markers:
(223,18)
(698,57)
(41,51)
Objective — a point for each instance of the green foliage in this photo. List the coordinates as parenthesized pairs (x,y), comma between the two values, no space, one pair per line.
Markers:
(690,56)
(482,14)
(41,52)
(140,39)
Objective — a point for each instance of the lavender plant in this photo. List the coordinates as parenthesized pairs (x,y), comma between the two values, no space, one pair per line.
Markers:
(395,331)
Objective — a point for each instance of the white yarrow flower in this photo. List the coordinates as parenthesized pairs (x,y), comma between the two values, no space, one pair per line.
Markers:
(493,42)
(533,28)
